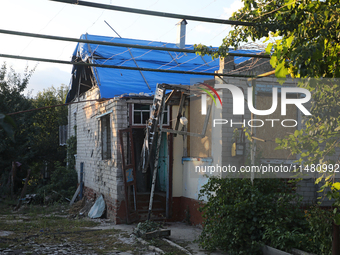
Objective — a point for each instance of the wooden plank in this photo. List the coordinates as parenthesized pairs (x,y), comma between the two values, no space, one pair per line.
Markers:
(172,93)
(157,233)
(131,213)
(75,195)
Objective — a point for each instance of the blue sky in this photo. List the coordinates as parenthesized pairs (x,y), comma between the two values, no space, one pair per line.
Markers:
(52,18)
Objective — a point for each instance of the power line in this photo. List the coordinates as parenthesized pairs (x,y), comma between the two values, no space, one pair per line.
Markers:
(155,13)
(121,67)
(58,105)
(60,38)
(43,28)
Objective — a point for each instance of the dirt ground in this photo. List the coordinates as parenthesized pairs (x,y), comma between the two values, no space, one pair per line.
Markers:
(37,229)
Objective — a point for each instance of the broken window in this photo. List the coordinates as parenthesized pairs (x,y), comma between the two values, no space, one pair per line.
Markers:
(106,136)
(141,114)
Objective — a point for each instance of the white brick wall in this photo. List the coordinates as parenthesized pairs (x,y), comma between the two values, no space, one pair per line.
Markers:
(103,176)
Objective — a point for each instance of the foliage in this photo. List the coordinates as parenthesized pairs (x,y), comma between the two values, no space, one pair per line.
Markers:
(306,44)
(315,237)
(71,151)
(12,99)
(63,179)
(320,137)
(47,122)
(320,226)
(239,216)
(145,227)
(8,125)
(306,32)
(317,142)
(36,133)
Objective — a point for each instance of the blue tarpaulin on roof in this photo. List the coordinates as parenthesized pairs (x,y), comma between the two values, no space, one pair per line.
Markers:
(116,82)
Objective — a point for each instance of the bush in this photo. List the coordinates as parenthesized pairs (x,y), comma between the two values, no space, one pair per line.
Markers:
(240,217)
(320,228)
(63,180)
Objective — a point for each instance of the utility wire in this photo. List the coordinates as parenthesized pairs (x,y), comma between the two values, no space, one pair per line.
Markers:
(60,38)
(121,67)
(43,29)
(58,105)
(155,13)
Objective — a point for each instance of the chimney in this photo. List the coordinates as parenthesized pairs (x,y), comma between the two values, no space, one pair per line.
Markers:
(181,26)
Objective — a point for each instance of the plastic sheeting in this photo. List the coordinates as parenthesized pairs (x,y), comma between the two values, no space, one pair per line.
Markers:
(98,208)
(117,82)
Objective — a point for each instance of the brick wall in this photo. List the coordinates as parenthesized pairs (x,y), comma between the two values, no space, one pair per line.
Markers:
(306,187)
(100,176)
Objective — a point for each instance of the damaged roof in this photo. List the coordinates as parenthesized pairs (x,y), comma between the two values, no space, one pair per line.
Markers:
(117,82)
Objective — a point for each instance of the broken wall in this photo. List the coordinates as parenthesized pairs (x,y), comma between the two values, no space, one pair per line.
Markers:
(101,176)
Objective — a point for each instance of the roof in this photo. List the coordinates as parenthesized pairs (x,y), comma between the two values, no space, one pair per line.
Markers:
(116,82)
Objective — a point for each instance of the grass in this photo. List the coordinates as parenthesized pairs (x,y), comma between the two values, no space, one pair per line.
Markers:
(49,225)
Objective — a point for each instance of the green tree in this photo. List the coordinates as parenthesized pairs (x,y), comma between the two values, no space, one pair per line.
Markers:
(307,35)
(46,124)
(306,45)
(7,124)
(12,99)
(36,133)
(240,216)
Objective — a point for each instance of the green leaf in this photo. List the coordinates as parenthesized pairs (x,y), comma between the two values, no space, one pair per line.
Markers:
(7,124)
(273,61)
(269,48)
(318,180)
(337,219)
(336,186)
(289,41)
(281,71)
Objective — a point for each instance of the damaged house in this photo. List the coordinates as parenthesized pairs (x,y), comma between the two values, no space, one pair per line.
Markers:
(116,148)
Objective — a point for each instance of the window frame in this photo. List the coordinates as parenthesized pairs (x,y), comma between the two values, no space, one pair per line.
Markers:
(105,122)
(132,111)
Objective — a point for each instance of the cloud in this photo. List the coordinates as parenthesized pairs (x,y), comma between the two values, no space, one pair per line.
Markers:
(202,29)
(235,6)
(43,79)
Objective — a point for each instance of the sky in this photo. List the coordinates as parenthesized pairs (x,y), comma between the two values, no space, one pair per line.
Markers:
(68,20)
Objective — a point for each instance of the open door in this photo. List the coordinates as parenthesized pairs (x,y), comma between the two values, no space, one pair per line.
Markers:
(129,173)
